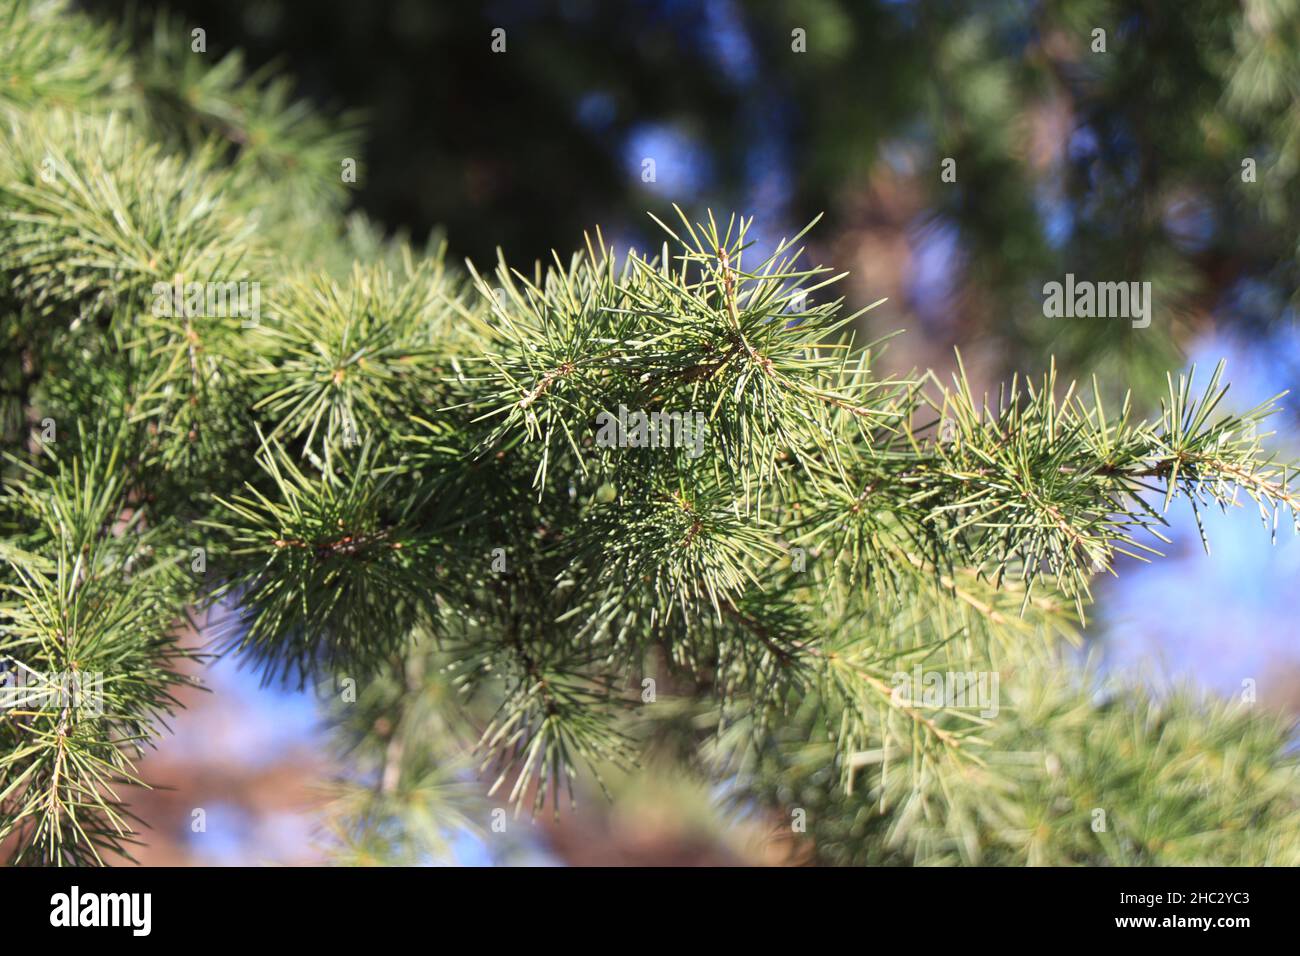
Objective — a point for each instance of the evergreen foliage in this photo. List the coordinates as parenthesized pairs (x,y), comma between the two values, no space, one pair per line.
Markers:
(393,477)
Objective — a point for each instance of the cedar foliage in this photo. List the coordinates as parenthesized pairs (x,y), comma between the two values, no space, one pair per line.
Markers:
(393,478)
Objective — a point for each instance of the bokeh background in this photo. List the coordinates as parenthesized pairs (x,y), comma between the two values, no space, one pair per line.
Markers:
(1164,149)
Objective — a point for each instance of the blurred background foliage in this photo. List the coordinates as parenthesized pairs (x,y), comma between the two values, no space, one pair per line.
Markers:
(1122,165)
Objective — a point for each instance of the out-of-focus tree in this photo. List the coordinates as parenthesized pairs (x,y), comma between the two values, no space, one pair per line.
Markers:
(1118,140)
